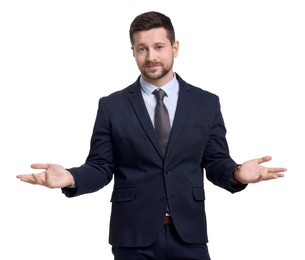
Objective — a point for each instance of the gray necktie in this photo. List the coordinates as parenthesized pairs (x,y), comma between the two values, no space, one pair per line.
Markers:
(162,123)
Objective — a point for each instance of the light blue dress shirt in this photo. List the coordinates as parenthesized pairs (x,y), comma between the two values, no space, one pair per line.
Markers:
(170,100)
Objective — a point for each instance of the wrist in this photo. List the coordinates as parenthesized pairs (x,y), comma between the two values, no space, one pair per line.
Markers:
(236,174)
(71,183)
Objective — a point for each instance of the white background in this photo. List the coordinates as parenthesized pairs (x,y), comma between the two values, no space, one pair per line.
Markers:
(57,58)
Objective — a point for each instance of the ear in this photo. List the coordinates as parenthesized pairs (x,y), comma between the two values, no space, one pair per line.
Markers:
(176,48)
(132,51)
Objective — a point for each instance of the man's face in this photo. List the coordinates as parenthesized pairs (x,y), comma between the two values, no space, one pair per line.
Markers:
(154,55)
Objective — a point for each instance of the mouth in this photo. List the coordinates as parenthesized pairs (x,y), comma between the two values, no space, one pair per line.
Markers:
(152,65)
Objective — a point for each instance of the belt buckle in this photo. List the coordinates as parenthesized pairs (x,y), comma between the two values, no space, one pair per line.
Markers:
(167,220)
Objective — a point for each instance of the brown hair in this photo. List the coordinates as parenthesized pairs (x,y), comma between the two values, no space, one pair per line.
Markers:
(151,20)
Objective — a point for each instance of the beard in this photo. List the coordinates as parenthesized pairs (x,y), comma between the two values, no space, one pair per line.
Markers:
(158,73)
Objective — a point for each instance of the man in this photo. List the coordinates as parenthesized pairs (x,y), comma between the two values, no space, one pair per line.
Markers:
(157,157)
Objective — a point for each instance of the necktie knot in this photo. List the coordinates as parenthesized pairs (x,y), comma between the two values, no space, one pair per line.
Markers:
(160,94)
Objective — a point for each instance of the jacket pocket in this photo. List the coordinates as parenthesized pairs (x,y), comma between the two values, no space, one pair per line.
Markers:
(124,194)
(198,194)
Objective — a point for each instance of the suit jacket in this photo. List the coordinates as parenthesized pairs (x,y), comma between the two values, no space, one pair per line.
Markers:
(124,145)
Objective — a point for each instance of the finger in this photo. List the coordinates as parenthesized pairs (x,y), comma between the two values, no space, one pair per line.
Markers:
(40,166)
(26,178)
(272,176)
(264,159)
(39,178)
(277,170)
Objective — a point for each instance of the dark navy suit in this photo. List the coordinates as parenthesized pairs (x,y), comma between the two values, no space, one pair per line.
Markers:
(124,145)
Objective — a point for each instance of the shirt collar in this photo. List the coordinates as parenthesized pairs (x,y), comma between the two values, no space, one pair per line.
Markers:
(169,88)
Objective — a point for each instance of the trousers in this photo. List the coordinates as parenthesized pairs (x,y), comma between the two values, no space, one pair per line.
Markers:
(168,246)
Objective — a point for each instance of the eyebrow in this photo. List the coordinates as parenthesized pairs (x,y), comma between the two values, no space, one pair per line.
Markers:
(156,43)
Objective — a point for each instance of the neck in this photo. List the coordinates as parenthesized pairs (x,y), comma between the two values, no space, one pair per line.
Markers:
(160,81)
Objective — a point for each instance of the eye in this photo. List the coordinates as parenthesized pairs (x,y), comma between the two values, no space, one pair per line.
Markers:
(140,49)
(159,47)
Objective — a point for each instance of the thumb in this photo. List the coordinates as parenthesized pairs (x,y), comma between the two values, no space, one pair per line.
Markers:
(40,166)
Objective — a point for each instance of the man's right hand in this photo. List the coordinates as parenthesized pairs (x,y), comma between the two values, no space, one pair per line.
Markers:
(52,176)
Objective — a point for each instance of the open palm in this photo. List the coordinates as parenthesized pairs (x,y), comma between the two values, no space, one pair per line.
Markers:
(52,176)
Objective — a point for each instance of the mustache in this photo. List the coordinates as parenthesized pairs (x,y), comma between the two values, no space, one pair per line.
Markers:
(153,63)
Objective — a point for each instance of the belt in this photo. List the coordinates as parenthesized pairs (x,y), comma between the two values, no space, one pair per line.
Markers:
(167,220)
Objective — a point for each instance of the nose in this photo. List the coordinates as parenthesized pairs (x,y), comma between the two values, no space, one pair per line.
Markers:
(151,55)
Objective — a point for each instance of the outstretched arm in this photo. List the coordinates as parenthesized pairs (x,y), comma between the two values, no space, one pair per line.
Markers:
(252,171)
(52,176)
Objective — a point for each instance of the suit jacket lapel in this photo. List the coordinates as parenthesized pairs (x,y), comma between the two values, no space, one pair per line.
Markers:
(136,100)
(182,111)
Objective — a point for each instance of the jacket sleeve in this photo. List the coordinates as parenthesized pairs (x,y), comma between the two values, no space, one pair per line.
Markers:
(218,164)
